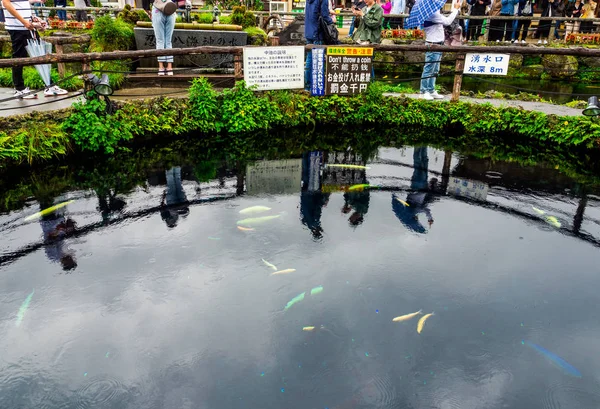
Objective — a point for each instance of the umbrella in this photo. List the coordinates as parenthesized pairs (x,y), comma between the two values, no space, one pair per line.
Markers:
(36,47)
(421,11)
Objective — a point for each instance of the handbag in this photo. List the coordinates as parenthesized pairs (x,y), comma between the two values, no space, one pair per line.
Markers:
(167,7)
(329,31)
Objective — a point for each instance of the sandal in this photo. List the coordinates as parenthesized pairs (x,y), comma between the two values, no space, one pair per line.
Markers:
(161,72)
(169,72)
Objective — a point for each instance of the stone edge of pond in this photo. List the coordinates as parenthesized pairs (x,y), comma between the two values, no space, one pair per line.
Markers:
(85,128)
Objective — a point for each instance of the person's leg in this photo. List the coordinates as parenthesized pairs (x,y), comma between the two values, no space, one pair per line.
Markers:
(308,68)
(169,28)
(477,24)
(556,28)
(351,28)
(436,69)
(430,69)
(159,34)
(576,27)
(514,35)
(495,30)
(19,42)
(508,27)
(525,33)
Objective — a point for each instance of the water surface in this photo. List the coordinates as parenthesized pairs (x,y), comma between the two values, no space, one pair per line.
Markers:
(153,298)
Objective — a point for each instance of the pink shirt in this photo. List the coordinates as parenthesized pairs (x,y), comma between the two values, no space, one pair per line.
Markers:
(387,7)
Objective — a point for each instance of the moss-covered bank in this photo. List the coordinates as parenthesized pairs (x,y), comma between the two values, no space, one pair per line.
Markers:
(237,116)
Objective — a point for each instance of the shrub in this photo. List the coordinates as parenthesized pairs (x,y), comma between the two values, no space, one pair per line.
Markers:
(111,34)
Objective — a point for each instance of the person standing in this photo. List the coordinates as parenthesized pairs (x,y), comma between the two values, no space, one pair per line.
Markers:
(495,26)
(525,10)
(561,6)
(358,4)
(369,27)
(313,33)
(80,15)
(434,34)
(505,25)
(574,9)
(548,10)
(478,8)
(163,23)
(587,12)
(398,7)
(61,14)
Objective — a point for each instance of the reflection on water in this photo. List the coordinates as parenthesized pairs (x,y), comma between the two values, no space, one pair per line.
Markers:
(169,304)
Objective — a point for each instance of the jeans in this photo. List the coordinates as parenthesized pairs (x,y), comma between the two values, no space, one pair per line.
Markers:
(308,66)
(430,71)
(163,31)
(19,39)
(556,28)
(522,29)
(514,29)
(506,29)
(61,14)
(351,28)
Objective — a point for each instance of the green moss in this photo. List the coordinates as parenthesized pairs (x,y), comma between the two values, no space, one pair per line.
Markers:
(256,36)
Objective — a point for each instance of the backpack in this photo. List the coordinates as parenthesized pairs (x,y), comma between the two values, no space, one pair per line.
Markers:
(453,34)
(329,32)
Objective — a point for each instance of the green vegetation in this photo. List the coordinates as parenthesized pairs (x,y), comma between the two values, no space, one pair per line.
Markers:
(242,17)
(34,81)
(239,118)
(256,36)
(111,34)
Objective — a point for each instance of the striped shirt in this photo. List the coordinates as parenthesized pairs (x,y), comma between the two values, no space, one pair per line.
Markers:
(24,9)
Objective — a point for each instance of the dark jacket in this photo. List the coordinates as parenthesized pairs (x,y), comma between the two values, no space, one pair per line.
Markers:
(315,8)
(478,9)
(548,9)
(522,4)
(574,10)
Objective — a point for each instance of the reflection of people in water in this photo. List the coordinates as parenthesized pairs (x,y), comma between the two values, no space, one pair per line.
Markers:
(312,200)
(174,201)
(108,204)
(419,198)
(357,202)
(56,227)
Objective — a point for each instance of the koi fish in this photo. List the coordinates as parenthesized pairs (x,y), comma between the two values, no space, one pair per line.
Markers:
(538,211)
(421,322)
(255,209)
(257,220)
(553,221)
(294,300)
(316,290)
(407,316)
(269,264)
(23,309)
(341,165)
(570,369)
(308,329)
(286,271)
(359,187)
(403,202)
(48,210)
(241,228)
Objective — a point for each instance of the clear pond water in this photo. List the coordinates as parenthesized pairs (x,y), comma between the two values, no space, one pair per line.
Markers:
(164,297)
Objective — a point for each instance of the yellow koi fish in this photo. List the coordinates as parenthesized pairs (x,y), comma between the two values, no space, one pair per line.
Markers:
(48,210)
(359,187)
(308,329)
(341,165)
(269,264)
(256,220)
(255,209)
(403,202)
(553,221)
(421,322)
(286,271)
(538,211)
(407,316)
(241,228)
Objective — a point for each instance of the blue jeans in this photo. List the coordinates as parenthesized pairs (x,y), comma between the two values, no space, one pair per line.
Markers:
(430,71)
(163,31)
(556,28)
(308,66)
(514,30)
(351,28)
(61,14)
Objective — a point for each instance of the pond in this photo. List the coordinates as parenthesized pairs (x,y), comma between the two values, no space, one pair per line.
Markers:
(276,285)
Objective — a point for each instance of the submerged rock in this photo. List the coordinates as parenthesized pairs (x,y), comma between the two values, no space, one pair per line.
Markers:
(560,66)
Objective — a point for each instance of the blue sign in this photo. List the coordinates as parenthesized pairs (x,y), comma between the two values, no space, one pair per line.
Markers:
(318,72)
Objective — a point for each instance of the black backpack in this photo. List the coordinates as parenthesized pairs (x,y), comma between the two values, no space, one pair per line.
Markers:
(329,32)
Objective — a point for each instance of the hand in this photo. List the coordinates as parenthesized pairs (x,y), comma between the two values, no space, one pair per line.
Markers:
(28,25)
(457,5)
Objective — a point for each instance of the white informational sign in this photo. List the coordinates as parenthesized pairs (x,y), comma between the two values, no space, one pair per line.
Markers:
(486,64)
(471,189)
(274,176)
(274,67)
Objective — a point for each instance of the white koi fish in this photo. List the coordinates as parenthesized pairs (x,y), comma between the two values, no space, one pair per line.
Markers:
(269,264)
(421,322)
(407,316)
(286,271)
(553,221)
(256,220)
(308,329)
(255,210)
(538,211)
(23,309)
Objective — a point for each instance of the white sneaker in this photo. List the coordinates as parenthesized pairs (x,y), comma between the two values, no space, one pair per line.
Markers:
(435,95)
(25,94)
(523,42)
(497,41)
(427,96)
(539,41)
(545,41)
(55,90)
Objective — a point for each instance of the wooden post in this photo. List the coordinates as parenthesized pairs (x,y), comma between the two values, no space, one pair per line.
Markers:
(458,74)
(61,65)
(237,66)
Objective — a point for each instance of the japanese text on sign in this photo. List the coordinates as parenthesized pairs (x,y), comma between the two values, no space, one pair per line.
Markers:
(472,189)
(486,64)
(318,72)
(274,67)
(348,73)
